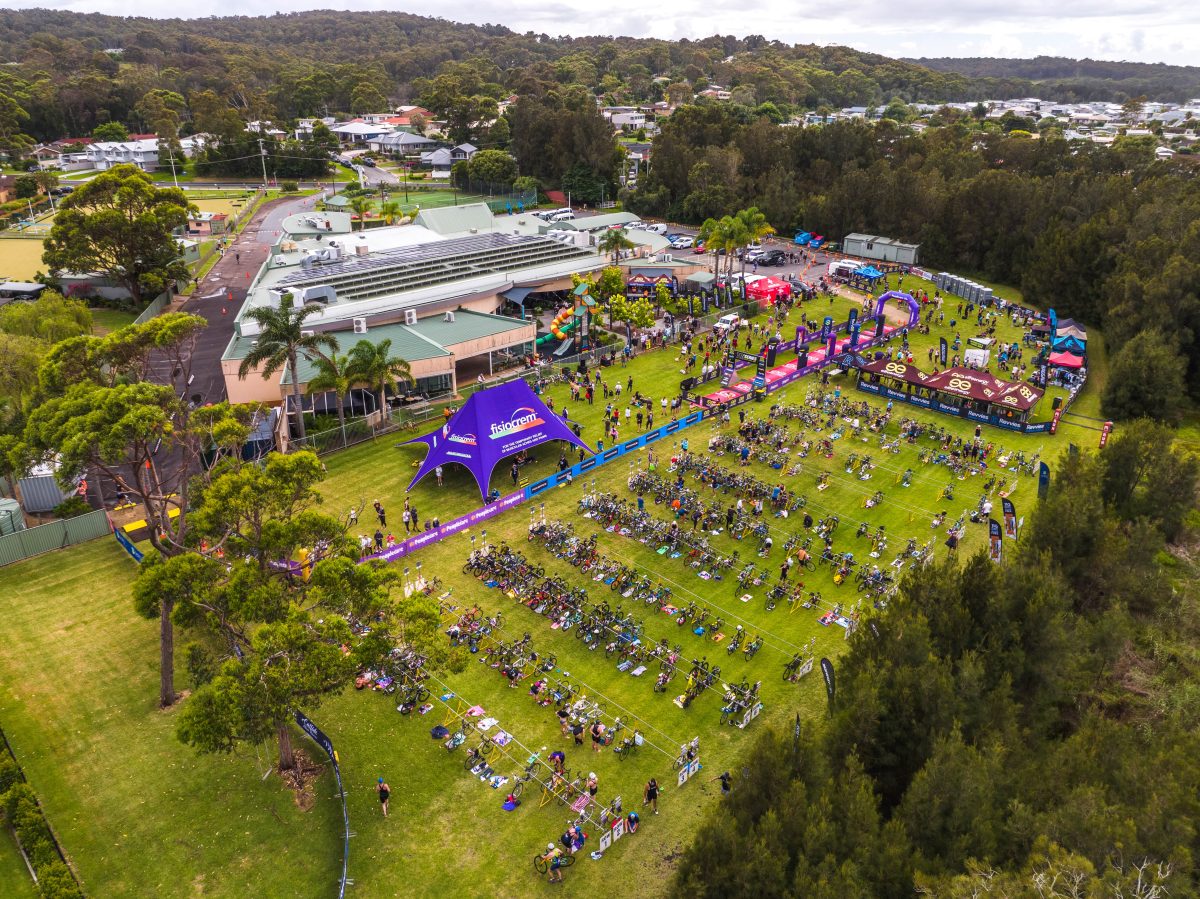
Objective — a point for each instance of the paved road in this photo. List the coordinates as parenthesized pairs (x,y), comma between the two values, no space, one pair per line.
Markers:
(221,294)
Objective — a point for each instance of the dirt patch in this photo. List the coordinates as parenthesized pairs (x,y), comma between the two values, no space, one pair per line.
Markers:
(301,780)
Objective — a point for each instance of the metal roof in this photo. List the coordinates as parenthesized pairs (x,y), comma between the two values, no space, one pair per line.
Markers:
(388,272)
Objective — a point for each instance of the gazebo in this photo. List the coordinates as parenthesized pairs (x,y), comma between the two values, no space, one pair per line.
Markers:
(495,423)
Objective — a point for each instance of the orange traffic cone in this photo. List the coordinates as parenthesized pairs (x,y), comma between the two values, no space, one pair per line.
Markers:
(222,310)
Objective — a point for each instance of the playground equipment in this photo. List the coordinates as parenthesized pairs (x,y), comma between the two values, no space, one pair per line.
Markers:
(567,319)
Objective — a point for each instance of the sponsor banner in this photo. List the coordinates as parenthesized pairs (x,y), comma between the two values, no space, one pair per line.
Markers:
(1043,480)
(978,416)
(995,540)
(136,554)
(1010,425)
(454,526)
(920,401)
(1108,426)
(943,351)
(1010,518)
(870,388)
(316,734)
(830,684)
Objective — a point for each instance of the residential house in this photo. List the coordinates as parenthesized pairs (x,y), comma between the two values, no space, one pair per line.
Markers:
(360,133)
(267,129)
(304,127)
(140,150)
(8,188)
(66,155)
(400,143)
(628,121)
(444,159)
(715,93)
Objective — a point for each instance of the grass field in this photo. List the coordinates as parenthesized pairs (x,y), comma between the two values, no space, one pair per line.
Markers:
(106,320)
(20,258)
(78,681)
(13,873)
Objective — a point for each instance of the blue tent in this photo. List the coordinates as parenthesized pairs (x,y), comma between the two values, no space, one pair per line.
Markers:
(1069,345)
(870,272)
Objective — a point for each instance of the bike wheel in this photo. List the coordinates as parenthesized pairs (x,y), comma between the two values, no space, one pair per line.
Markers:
(566,861)
(486,747)
(471,760)
(540,864)
(422,695)
(517,789)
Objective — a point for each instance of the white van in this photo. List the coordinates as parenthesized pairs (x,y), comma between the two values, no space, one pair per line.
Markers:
(726,323)
(657,228)
(563,215)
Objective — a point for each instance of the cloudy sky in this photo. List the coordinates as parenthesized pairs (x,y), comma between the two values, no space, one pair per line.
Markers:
(1135,30)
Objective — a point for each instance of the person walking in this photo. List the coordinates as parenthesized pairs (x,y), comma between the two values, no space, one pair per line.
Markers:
(726,783)
(385,793)
(650,795)
(381,513)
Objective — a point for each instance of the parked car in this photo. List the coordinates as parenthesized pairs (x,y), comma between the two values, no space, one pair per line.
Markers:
(699,248)
(683,242)
(750,253)
(772,257)
(368,162)
(730,322)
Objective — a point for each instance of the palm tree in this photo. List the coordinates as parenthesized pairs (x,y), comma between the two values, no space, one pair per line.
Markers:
(360,205)
(281,342)
(389,210)
(615,241)
(755,226)
(373,364)
(333,376)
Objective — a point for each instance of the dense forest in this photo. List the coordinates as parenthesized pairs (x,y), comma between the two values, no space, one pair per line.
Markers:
(58,80)
(1059,78)
(1025,730)
(1107,235)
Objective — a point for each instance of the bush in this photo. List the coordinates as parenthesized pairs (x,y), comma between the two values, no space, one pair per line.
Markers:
(72,507)
(10,774)
(289,187)
(19,804)
(55,881)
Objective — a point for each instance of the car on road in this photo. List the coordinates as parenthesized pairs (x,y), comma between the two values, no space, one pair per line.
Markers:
(368,162)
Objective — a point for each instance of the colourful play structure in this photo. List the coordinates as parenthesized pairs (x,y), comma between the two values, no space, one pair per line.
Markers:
(568,319)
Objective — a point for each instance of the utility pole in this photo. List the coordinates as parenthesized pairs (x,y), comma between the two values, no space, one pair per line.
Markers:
(262,152)
(174,177)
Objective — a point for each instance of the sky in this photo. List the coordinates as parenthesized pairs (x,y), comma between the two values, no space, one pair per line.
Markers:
(1134,30)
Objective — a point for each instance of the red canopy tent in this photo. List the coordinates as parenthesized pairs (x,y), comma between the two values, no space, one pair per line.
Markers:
(769,289)
(1066,360)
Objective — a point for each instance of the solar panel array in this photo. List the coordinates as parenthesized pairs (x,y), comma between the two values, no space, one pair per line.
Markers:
(386,272)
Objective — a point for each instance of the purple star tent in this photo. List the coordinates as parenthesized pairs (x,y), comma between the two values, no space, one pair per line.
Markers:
(492,424)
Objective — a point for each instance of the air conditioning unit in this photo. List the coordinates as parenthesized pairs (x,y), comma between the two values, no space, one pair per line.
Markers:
(361,249)
(360,326)
(410,316)
(308,333)
(448,317)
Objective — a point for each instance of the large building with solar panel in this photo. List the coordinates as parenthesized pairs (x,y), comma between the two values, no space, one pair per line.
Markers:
(433,288)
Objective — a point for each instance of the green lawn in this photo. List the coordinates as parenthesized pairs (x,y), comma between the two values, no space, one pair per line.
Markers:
(78,681)
(13,873)
(77,686)
(105,320)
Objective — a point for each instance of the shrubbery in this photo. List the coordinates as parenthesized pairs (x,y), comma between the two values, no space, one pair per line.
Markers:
(21,812)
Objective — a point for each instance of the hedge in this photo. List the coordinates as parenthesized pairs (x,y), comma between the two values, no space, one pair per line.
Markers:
(21,811)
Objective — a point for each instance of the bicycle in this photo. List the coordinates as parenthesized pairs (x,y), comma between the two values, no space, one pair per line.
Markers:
(478,753)
(542,865)
(628,746)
